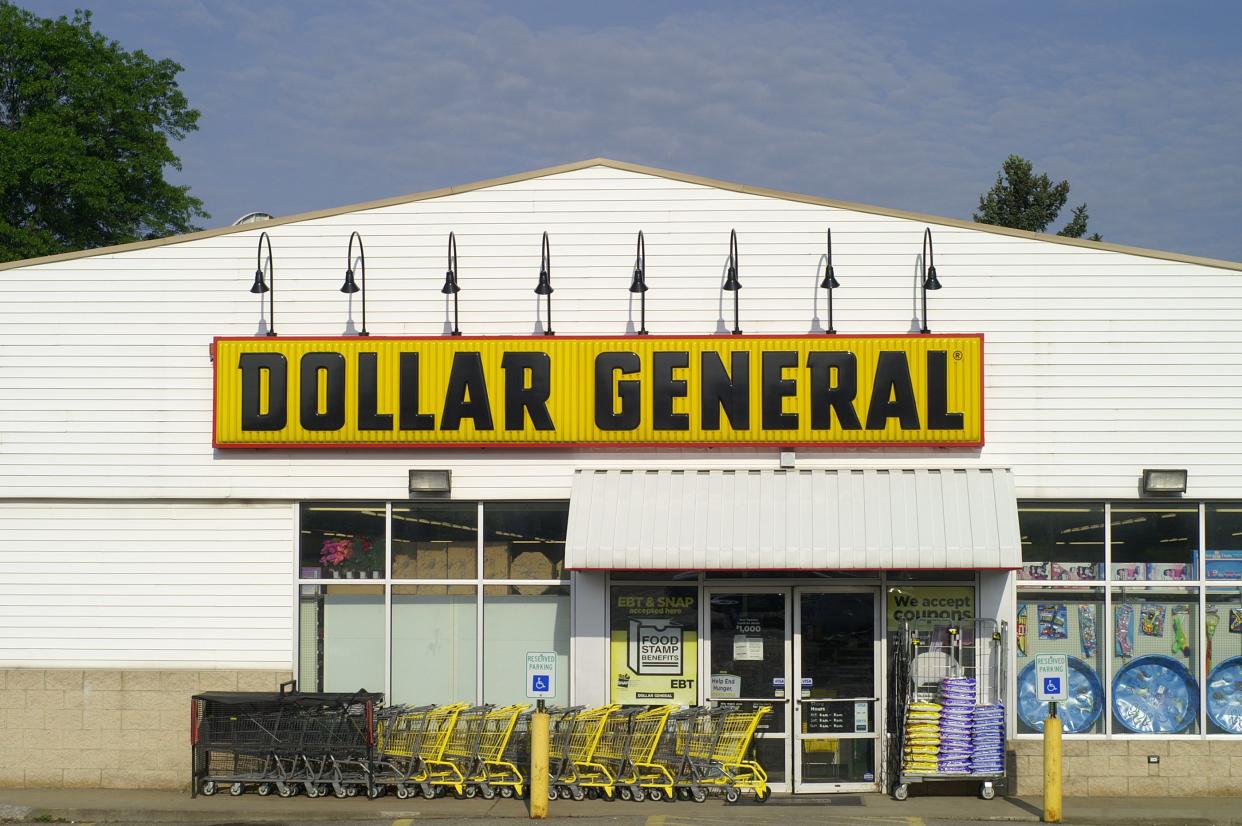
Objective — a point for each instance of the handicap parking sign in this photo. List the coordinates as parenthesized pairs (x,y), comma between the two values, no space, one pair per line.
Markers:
(540,674)
(1052,678)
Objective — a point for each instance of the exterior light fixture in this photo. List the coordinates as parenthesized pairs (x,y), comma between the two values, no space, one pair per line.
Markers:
(930,282)
(450,280)
(260,287)
(430,481)
(544,287)
(349,287)
(639,284)
(1164,482)
(829,283)
(731,284)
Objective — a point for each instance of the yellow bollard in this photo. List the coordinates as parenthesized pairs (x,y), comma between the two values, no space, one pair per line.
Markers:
(1052,767)
(539,763)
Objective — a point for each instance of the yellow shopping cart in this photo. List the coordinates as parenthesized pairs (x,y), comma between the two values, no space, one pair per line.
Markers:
(572,765)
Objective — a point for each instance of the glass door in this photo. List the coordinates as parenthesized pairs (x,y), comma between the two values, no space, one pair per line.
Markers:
(837,716)
(748,660)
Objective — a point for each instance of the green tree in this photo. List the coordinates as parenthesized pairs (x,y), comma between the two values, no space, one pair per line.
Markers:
(1023,200)
(84,139)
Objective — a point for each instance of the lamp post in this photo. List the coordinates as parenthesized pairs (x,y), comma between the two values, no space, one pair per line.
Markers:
(450,280)
(349,287)
(259,287)
(930,282)
(829,283)
(639,284)
(731,284)
(544,287)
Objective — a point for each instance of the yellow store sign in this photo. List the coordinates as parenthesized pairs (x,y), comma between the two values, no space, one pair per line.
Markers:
(544,391)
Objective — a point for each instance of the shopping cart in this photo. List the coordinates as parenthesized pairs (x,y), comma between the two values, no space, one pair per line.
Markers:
(572,768)
(491,772)
(438,726)
(398,737)
(626,747)
(727,767)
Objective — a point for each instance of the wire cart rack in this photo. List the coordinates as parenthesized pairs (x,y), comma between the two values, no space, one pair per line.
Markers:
(948,696)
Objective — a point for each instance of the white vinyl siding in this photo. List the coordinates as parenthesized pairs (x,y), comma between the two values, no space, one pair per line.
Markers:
(169,585)
(1097,363)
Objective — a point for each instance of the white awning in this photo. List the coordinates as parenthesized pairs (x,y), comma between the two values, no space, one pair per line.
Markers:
(793,519)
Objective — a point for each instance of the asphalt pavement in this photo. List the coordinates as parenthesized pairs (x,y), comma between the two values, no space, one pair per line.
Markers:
(117,806)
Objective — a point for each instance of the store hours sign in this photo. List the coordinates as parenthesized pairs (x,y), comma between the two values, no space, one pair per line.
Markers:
(563,392)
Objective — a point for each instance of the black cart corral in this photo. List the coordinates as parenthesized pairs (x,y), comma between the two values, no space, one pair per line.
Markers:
(924,656)
(289,742)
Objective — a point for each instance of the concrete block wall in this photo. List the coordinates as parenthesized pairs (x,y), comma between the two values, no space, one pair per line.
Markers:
(90,728)
(1118,768)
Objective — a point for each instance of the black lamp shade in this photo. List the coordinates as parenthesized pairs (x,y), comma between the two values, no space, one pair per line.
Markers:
(349,286)
(259,285)
(545,284)
(450,284)
(639,285)
(731,283)
(932,283)
(830,279)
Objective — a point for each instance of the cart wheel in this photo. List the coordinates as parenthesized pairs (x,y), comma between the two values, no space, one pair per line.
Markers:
(640,794)
(208,787)
(987,791)
(487,792)
(657,795)
(699,794)
(625,793)
(285,790)
(732,795)
(566,793)
(577,793)
(311,791)
(553,792)
(339,792)
(402,793)
(351,791)
(763,796)
(472,792)
(374,792)
(264,789)
(237,790)
(901,791)
(683,793)
(506,791)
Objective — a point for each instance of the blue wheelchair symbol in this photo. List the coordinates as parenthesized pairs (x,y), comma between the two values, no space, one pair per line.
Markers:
(540,682)
(1052,685)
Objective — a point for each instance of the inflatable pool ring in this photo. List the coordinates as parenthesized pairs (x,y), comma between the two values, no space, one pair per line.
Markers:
(1080,710)
(1155,694)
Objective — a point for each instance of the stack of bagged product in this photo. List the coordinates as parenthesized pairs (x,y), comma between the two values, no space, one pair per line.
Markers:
(987,740)
(957,698)
(922,738)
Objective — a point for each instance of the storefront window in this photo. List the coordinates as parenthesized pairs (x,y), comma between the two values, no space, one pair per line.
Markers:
(1155,543)
(435,540)
(517,620)
(434,643)
(654,652)
(524,540)
(1222,632)
(1155,683)
(1066,621)
(1224,541)
(1062,541)
(342,540)
(341,643)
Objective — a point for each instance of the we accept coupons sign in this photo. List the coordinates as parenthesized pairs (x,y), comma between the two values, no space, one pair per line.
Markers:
(929,603)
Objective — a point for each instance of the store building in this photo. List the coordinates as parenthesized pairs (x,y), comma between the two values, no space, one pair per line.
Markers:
(189,503)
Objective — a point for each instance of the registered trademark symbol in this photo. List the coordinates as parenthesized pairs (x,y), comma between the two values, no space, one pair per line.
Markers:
(957,355)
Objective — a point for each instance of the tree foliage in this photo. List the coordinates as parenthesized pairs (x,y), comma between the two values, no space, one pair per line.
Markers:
(84,139)
(1023,200)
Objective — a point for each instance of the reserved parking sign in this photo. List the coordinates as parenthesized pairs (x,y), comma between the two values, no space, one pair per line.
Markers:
(1051,677)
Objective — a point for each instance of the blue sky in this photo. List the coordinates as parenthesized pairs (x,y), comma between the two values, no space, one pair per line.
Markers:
(315,104)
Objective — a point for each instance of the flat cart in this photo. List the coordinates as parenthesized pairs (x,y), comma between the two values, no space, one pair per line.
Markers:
(948,711)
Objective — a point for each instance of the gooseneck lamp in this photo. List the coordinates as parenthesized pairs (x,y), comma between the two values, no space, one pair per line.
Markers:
(259,287)
(544,287)
(639,284)
(350,287)
(731,284)
(830,283)
(450,280)
(930,282)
